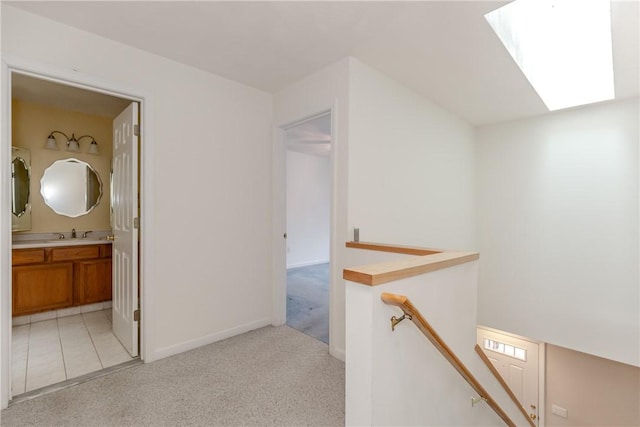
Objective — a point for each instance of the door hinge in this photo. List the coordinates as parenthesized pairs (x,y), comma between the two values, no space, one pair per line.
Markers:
(136,315)
(136,130)
(136,222)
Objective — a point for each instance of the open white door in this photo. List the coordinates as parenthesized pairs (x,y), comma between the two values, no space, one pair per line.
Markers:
(125,228)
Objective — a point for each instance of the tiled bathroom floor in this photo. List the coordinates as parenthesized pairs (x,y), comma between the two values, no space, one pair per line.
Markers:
(51,351)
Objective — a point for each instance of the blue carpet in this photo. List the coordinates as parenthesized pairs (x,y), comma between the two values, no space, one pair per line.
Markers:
(308,300)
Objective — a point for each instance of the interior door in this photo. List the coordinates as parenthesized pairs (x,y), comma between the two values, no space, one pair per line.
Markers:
(517,362)
(125,228)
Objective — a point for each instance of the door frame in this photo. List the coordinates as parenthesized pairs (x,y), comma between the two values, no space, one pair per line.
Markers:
(279,279)
(12,64)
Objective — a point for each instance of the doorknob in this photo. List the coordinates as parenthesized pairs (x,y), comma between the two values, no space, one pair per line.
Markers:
(111,237)
(533,416)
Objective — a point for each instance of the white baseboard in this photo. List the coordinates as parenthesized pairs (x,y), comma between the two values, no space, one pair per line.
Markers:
(307,263)
(338,353)
(161,353)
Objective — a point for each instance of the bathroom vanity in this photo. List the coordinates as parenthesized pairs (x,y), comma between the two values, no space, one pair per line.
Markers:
(54,275)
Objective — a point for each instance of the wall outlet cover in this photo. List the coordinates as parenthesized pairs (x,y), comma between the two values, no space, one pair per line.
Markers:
(559,411)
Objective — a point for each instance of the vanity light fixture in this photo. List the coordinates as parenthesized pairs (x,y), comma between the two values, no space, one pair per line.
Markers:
(73,144)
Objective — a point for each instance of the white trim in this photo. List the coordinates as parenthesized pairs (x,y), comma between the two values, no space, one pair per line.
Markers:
(279,224)
(209,339)
(338,353)
(295,123)
(336,284)
(147,168)
(308,263)
(5,241)
(542,383)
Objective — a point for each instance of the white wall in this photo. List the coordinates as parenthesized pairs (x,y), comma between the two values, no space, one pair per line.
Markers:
(406,165)
(308,209)
(558,229)
(594,391)
(411,166)
(211,172)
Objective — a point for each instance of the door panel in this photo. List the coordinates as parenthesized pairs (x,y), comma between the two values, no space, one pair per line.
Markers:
(125,231)
(517,362)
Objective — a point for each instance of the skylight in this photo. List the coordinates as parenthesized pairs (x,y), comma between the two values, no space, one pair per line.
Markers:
(563,47)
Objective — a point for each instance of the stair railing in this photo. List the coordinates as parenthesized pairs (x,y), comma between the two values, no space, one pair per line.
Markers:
(410,312)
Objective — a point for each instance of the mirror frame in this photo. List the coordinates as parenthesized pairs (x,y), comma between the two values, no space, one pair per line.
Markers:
(21,222)
(27,169)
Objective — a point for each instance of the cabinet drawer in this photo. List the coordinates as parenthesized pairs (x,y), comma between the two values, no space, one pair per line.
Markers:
(74,252)
(27,256)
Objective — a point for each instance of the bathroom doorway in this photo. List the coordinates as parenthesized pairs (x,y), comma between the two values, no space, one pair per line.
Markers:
(64,302)
(308,214)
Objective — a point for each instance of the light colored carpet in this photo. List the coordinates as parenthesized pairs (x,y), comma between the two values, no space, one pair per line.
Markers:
(308,300)
(268,377)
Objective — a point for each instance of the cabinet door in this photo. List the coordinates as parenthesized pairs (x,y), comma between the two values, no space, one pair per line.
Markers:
(42,287)
(93,281)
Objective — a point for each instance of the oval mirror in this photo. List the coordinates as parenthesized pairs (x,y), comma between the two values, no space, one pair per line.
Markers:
(20,186)
(71,187)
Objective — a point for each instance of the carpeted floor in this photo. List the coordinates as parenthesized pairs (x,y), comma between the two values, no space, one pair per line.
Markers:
(308,300)
(268,377)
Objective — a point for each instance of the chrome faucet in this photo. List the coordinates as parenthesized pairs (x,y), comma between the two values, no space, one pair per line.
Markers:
(60,235)
(73,233)
(85,234)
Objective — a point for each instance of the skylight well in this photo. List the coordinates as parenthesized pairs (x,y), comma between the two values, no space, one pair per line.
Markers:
(563,47)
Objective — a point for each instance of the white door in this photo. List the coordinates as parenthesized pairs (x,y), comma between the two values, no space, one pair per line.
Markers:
(125,228)
(517,362)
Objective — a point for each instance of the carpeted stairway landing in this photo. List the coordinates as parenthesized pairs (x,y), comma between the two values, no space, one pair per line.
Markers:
(268,377)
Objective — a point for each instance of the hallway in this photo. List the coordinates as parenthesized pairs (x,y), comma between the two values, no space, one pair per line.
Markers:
(272,376)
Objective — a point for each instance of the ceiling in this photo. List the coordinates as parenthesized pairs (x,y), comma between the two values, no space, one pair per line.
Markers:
(442,49)
(71,98)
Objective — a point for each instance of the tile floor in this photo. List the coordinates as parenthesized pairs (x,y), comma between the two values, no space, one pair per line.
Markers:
(55,350)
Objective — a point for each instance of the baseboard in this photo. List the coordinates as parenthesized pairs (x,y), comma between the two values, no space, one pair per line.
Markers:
(308,263)
(209,339)
(338,353)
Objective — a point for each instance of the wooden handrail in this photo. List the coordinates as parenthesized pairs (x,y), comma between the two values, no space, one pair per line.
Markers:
(398,249)
(405,305)
(502,382)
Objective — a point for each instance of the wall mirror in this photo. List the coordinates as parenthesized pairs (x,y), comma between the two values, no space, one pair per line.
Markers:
(20,182)
(71,187)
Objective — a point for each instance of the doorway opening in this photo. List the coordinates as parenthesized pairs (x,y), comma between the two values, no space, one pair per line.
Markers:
(75,266)
(520,361)
(308,225)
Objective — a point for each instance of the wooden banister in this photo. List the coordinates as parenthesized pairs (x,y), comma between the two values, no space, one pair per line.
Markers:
(405,305)
(502,382)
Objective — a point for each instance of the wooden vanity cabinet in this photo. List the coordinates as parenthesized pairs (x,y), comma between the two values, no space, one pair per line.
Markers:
(58,277)
(42,287)
(92,281)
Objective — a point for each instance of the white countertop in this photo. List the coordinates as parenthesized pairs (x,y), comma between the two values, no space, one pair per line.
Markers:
(28,244)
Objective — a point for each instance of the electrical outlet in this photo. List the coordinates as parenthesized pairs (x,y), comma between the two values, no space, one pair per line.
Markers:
(559,411)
